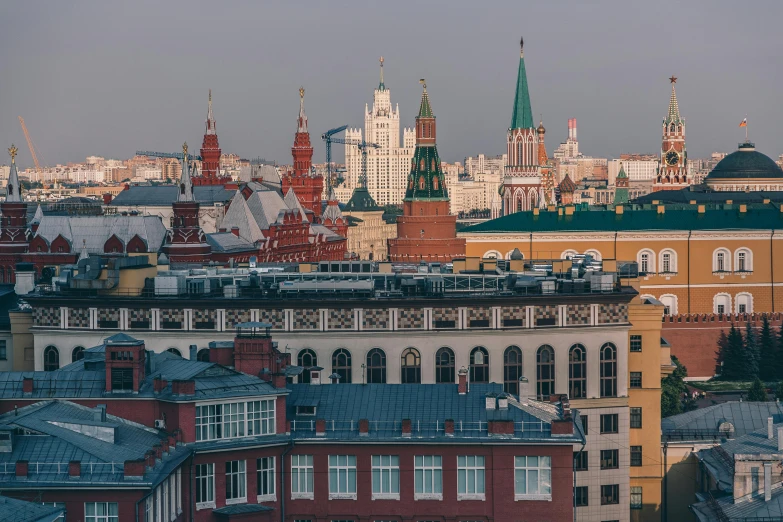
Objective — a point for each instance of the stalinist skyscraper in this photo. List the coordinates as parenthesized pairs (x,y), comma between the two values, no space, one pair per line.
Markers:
(388,166)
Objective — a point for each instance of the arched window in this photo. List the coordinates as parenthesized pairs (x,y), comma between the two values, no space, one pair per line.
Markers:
(51,359)
(341,365)
(376,366)
(519,204)
(646,260)
(608,370)
(444,365)
(410,366)
(744,303)
(512,369)
(77,354)
(421,165)
(568,254)
(668,261)
(743,260)
(577,372)
(545,372)
(479,365)
(421,182)
(203,355)
(721,260)
(721,304)
(175,352)
(435,183)
(491,254)
(595,253)
(669,304)
(307,359)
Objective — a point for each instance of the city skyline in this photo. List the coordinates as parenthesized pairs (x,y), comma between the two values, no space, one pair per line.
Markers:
(145,86)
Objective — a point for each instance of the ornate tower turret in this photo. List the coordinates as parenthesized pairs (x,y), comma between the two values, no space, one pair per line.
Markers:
(547,172)
(621,187)
(673,166)
(307,186)
(210,153)
(13,234)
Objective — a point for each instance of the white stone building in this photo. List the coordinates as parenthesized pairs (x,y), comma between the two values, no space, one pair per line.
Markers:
(388,166)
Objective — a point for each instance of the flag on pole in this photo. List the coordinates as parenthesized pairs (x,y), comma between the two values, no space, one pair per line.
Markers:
(744,123)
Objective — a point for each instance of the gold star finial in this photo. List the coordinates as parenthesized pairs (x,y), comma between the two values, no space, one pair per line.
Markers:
(185,148)
(381,60)
(301,92)
(424,83)
(673,79)
(12,152)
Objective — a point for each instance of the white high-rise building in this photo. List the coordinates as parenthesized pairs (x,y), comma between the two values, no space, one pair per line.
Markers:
(388,166)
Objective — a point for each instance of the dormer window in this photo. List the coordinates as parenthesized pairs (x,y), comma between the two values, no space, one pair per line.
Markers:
(305,410)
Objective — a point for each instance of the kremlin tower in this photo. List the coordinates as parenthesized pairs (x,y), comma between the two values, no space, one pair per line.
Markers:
(13,235)
(185,242)
(673,165)
(621,187)
(426,231)
(547,172)
(307,186)
(210,154)
(522,185)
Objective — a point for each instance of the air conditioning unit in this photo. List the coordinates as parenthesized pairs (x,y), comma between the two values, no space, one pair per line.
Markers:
(160,424)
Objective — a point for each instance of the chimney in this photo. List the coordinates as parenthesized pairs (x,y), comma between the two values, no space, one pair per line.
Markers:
(503,401)
(74,469)
(320,428)
(183,387)
(21,470)
(335,378)
(743,209)
(133,469)
(172,440)
(27,385)
(99,413)
(767,481)
(524,390)
(769,428)
(491,400)
(150,458)
(449,427)
(159,384)
(107,199)
(364,427)
(406,427)
(574,129)
(158,451)
(661,209)
(25,278)
(235,231)
(193,352)
(462,387)
(315,376)
(780,439)
(619,210)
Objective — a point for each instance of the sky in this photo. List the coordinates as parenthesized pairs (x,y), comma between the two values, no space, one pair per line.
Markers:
(109,78)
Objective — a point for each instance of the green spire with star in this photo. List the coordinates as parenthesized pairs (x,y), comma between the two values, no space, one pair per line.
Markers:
(425,111)
(522,117)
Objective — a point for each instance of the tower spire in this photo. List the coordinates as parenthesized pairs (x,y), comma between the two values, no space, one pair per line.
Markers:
(674,108)
(12,190)
(210,119)
(522,117)
(425,110)
(302,116)
(381,86)
(185,183)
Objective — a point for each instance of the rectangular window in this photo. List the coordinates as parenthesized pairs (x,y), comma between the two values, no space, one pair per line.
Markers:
(610,459)
(470,477)
(205,485)
(636,497)
(636,455)
(386,476)
(3,353)
(584,423)
(721,309)
(101,512)
(636,343)
(532,478)
(235,419)
(236,482)
(741,308)
(265,467)
(610,494)
(580,461)
(301,476)
(428,477)
(609,423)
(122,379)
(260,417)
(636,380)
(580,496)
(342,476)
(636,417)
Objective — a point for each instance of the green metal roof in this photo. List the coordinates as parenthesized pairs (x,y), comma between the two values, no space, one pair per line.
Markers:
(425,181)
(608,220)
(522,118)
(361,201)
(425,110)
(746,163)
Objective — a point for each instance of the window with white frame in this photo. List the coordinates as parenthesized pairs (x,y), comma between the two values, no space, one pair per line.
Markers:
(342,476)
(386,476)
(532,478)
(743,260)
(301,476)
(721,260)
(646,261)
(101,512)
(428,477)
(668,262)
(722,304)
(236,482)
(669,304)
(205,485)
(744,303)
(235,419)
(265,483)
(470,477)
(148,507)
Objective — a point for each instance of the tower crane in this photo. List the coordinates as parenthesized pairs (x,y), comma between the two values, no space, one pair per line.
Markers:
(327,137)
(30,145)
(362,145)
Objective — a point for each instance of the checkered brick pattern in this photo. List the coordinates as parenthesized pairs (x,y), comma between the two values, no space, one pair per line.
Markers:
(204,316)
(276,317)
(46,316)
(410,318)
(171,315)
(307,319)
(579,314)
(512,313)
(613,313)
(546,312)
(236,316)
(78,318)
(341,319)
(445,314)
(108,314)
(375,319)
(138,314)
(480,314)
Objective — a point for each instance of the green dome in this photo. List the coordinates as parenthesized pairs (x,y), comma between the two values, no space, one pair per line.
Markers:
(745,163)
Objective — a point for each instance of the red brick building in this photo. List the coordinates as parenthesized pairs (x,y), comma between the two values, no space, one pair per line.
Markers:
(210,154)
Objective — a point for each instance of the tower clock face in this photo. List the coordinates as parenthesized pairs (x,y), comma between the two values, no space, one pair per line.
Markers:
(672,158)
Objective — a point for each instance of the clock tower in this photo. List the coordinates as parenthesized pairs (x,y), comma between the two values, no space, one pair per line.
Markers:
(673,165)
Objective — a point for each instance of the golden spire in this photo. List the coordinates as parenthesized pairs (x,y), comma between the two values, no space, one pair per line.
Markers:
(301,92)
(12,152)
(185,149)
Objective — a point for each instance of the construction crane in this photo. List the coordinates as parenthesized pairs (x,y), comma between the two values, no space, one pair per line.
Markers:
(327,137)
(177,155)
(30,145)
(360,144)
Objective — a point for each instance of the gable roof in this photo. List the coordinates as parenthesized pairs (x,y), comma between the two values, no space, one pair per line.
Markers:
(165,195)
(92,232)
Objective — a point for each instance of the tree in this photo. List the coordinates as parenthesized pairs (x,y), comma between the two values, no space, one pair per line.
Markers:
(779,391)
(733,358)
(672,390)
(751,355)
(757,392)
(767,353)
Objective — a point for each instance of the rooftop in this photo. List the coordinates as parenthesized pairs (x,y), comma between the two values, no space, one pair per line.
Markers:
(721,421)
(13,510)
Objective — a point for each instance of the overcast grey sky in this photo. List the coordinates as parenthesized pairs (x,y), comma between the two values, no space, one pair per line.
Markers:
(107,78)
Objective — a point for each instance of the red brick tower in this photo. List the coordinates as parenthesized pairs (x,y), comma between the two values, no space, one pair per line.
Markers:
(13,233)
(547,172)
(673,165)
(307,186)
(426,231)
(186,242)
(210,154)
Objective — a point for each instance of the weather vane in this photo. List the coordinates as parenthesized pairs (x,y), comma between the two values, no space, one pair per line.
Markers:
(301,92)
(12,152)
(185,149)
(424,83)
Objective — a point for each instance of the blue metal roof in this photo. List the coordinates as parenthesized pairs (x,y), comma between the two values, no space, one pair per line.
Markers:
(14,510)
(241,509)
(165,195)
